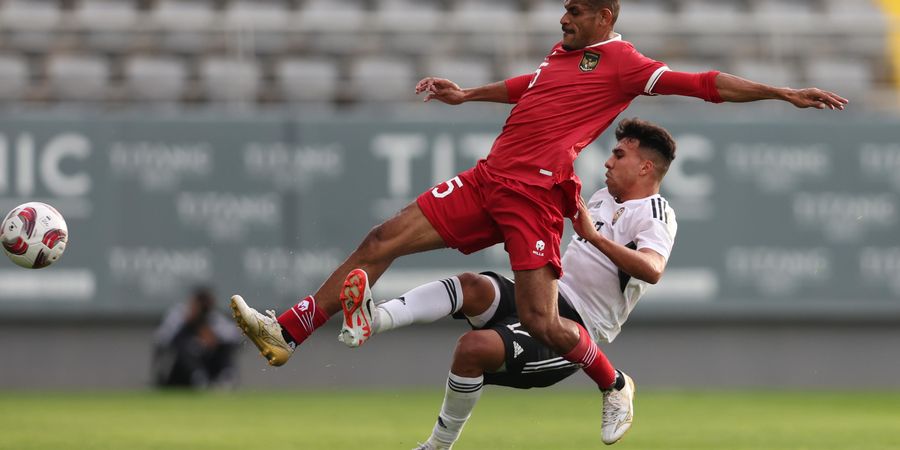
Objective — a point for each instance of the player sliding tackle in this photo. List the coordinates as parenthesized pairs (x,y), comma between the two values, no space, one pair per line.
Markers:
(625,236)
(521,193)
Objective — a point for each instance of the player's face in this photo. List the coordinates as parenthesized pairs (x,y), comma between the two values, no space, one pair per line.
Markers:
(583,25)
(624,167)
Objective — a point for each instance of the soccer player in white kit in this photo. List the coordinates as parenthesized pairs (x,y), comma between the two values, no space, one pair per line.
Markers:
(625,235)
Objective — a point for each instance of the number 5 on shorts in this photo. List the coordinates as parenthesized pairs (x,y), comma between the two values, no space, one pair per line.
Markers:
(450,186)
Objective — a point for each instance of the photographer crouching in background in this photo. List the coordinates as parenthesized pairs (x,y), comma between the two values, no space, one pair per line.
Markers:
(195,344)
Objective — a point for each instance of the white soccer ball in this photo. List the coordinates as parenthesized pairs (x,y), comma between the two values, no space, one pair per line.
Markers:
(34,235)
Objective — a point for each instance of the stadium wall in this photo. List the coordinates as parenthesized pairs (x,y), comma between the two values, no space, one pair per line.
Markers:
(659,355)
(787,238)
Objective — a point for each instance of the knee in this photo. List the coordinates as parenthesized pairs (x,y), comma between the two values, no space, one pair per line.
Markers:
(470,281)
(478,351)
(470,346)
(539,326)
(375,246)
(478,293)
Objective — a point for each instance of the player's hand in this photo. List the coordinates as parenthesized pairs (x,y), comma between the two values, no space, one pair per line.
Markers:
(816,98)
(583,223)
(441,89)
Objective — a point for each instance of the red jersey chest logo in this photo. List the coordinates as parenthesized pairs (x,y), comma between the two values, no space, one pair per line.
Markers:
(589,62)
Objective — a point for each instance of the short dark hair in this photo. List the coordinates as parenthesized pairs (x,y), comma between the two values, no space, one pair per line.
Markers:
(652,137)
(203,295)
(612,5)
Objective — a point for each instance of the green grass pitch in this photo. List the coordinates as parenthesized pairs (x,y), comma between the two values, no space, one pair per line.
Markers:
(554,419)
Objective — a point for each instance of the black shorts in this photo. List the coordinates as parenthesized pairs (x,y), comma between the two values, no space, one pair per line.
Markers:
(529,363)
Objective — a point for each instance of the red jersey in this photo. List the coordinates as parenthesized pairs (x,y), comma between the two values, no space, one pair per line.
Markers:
(569,101)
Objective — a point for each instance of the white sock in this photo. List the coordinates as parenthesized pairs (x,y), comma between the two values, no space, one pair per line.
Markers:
(459,400)
(424,304)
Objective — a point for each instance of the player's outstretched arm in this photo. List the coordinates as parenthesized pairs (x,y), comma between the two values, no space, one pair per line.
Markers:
(736,89)
(720,87)
(450,93)
(643,264)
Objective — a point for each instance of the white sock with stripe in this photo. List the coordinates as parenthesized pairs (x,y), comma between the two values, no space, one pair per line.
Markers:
(424,304)
(459,400)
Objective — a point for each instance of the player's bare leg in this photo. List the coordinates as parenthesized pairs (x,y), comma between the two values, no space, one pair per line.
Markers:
(407,232)
(476,352)
(536,302)
(536,294)
(470,293)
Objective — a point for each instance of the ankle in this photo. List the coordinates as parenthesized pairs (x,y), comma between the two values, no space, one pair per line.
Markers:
(383,321)
(438,444)
(619,382)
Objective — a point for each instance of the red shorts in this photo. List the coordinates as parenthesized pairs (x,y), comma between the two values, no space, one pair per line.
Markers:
(475,210)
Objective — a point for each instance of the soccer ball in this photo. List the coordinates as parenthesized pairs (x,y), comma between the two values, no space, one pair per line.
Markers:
(34,235)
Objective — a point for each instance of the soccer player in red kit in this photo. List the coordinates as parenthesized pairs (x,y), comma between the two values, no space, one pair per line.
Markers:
(521,193)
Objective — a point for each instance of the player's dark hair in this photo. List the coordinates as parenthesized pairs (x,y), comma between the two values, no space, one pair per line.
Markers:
(204,298)
(612,5)
(652,137)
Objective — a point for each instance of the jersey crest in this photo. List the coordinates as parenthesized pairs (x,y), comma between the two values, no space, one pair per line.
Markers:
(618,214)
(589,62)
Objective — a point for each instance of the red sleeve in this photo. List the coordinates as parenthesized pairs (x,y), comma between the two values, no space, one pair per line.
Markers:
(516,86)
(700,85)
(637,72)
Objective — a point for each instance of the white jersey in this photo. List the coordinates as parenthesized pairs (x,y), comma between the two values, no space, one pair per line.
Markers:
(601,294)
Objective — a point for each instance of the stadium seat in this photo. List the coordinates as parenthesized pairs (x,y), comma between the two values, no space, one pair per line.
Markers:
(851,77)
(861,13)
(13,78)
(481,16)
(543,16)
(32,24)
(331,15)
(382,79)
(257,15)
(30,14)
(411,27)
(465,72)
(185,25)
(258,26)
(643,16)
(230,80)
(488,28)
(860,28)
(80,78)
(336,27)
(155,79)
(715,15)
(786,14)
(775,73)
(406,15)
(105,15)
(715,28)
(307,80)
(106,24)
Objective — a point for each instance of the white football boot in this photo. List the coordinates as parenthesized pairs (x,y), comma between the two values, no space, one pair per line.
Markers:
(618,411)
(358,306)
(428,445)
(263,330)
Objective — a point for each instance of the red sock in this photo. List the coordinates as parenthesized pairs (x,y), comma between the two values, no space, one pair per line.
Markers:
(302,319)
(592,360)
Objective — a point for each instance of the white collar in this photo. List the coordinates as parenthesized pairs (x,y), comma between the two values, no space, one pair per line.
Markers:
(616,37)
